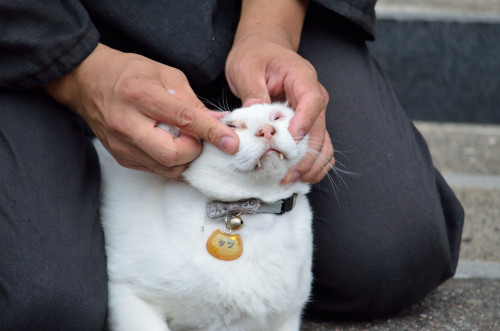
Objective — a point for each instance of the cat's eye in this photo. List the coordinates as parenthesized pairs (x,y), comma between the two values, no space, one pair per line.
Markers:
(276,116)
(236,125)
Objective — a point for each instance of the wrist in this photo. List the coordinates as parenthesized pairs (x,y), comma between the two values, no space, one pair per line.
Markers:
(278,20)
(67,90)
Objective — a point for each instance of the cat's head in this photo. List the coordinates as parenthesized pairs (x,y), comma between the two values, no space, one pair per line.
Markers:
(266,152)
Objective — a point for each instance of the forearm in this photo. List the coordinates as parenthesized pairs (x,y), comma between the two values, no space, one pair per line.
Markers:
(281,18)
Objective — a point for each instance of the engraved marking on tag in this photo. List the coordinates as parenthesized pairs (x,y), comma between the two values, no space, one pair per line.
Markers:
(225,247)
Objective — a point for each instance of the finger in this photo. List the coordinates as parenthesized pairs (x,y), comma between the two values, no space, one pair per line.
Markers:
(249,84)
(163,147)
(323,163)
(305,166)
(167,172)
(310,108)
(132,157)
(136,129)
(192,116)
(316,144)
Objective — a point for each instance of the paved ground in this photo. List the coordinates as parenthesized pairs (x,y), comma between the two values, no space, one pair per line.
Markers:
(457,305)
(469,157)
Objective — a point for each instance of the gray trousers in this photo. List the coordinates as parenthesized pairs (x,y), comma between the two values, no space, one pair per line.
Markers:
(387,231)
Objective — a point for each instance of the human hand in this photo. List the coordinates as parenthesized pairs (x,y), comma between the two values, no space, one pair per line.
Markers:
(263,66)
(123,97)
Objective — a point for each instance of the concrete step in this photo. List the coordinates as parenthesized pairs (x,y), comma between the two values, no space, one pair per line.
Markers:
(451,10)
(469,158)
(442,57)
(464,148)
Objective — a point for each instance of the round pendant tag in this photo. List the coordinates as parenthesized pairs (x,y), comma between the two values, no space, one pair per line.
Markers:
(225,247)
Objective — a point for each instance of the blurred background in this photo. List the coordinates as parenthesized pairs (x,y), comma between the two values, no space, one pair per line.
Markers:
(443,57)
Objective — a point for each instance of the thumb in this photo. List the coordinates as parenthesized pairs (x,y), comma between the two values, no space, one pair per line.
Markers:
(207,126)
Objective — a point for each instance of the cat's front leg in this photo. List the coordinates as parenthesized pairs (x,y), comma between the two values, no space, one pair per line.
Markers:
(128,312)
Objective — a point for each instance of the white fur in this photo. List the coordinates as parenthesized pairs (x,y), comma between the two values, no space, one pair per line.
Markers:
(161,276)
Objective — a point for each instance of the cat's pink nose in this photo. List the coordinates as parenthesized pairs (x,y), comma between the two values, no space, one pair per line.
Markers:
(267,131)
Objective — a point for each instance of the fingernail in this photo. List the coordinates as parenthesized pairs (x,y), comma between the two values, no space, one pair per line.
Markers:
(292,177)
(228,144)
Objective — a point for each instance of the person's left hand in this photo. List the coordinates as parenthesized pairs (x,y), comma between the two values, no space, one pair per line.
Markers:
(262,67)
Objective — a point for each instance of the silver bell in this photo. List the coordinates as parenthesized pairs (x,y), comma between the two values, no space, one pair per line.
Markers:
(235,222)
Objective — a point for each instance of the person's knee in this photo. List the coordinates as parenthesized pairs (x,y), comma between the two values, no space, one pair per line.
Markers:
(380,274)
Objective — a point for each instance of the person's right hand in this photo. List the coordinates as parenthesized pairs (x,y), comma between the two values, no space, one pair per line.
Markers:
(124,96)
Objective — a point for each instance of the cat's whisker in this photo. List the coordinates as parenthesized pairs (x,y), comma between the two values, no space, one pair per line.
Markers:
(219,107)
(334,168)
(335,186)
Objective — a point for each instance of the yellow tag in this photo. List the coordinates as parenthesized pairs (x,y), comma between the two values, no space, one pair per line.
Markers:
(225,246)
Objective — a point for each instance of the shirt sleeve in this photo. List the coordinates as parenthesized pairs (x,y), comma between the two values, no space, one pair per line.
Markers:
(360,12)
(40,41)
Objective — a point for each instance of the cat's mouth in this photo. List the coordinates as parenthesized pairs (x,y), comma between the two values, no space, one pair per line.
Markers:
(270,153)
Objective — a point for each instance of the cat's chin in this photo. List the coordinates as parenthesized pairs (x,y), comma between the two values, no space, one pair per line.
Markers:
(262,183)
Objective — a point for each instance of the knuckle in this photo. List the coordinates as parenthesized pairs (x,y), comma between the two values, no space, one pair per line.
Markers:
(211,134)
(240,66)
(325,96)
(185,117)
(170,172)
(305,165)
(126,163)
(321,98)
(178,75)
(176,171)
(309,65)
(169,157)
(130,89)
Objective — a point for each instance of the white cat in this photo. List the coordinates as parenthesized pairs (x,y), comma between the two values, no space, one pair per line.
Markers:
(172,267)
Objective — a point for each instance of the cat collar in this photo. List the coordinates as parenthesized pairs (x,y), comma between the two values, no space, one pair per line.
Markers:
(219,209)
(226,246)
